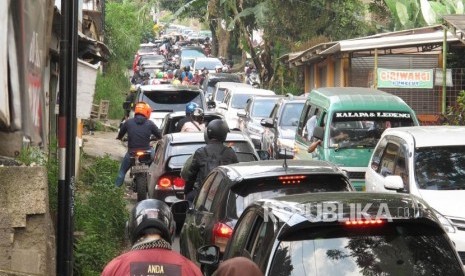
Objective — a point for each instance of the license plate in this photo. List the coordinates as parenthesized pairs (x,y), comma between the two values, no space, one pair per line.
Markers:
(141,168)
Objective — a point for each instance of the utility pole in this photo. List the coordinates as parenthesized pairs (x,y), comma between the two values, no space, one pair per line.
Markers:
(67,136)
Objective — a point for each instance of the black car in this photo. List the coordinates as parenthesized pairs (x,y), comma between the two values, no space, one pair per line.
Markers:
(171,153)
(208,85)
(228,190)
(279,129)
(167,98)
(341,234)
(257,109)
(171,119)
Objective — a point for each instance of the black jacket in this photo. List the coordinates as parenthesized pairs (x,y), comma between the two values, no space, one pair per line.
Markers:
(182,122)
(139,130)
(196,172)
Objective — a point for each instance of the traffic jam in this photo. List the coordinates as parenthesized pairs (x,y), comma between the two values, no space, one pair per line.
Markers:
(338,181)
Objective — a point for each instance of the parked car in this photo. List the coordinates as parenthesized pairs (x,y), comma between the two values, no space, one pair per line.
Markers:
(236,99)
(210,63)
(171,153)
(171,119)
(208,85)
(220,89)
(167,98)
(256,109)
(228,190)
(323,234)
(429,162)
(279,130)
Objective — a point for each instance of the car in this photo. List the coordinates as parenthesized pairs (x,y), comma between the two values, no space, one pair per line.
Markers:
(191,52)
(172,151)
(236,99)
(429,162)
(229,189)
(208,85)
(210,63)
(279,129)
(167,98)
(325,234)
(220,89)
(351,111)
(171,119)
(151,63)
(256,109)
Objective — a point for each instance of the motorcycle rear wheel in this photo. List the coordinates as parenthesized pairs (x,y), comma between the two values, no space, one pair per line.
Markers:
(141,187)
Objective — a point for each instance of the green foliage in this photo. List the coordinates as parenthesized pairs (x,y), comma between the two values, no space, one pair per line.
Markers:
(52,171)
(456,114)
(112,86)
(100,215)
(33,156)
(123,31)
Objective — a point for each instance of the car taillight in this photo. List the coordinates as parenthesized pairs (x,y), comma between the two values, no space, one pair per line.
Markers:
(164,182)
(179,182)
(361,222)
(221,235)
(291,179)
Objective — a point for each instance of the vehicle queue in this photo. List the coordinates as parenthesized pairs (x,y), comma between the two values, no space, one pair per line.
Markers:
(315,215)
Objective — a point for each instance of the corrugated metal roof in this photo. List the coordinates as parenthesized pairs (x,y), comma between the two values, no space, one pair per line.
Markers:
(456,25)
(407,39)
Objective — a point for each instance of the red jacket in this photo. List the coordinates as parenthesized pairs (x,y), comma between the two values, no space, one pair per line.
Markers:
(154,261)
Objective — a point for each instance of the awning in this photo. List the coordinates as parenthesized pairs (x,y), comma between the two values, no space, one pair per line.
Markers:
(420,39)
(456,25)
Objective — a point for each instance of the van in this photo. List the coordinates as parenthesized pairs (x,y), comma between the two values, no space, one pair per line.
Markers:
(356,117)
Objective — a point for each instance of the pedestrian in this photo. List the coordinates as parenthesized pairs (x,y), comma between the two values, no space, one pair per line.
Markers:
(206,158)
(238,266)
(151,229)
(139,130)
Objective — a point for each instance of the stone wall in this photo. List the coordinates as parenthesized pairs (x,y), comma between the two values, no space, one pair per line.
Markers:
(27,238)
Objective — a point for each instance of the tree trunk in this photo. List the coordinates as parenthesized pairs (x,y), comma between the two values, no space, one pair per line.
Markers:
(223,41)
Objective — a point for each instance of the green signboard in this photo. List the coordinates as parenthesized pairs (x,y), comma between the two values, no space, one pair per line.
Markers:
(405,78)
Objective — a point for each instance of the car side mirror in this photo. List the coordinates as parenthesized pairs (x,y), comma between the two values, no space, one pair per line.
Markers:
(393,182)
(319,132)
(241,113)
(223,106)
(267,122)
(263,154)
(126,105)
(208,255)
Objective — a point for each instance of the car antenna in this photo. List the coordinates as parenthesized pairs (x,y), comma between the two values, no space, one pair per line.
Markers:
(285,160)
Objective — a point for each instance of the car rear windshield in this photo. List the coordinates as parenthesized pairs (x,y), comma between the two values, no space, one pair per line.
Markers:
(390,249)
(181,152)
(263,107)
(191,53)
(440,168)
(250,190)
(209,64)
(172,101)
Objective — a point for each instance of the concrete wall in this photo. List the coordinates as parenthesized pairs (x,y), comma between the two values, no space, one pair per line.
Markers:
(27,239)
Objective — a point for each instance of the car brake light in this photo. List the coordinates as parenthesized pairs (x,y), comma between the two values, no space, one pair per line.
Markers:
(364,222)
(291,179)
(221,235)
(164,182)
(139,153)
(179,182)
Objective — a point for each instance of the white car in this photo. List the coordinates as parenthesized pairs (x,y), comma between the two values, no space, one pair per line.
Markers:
(210,63)
(429,162)
(236,100)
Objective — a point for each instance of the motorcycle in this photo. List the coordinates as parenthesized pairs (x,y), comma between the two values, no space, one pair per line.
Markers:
(253,79)
(140,163)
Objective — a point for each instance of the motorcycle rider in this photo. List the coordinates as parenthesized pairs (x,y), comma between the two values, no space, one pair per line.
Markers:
(196,123)
(151,230)
(189,109)
(139,130)
(197,170)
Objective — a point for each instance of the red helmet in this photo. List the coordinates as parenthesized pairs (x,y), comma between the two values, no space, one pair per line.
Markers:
(143,109)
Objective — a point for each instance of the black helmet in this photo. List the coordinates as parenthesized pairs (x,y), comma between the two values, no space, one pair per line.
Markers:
(217,129)
(151,214)
(198,114)
(187,68)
